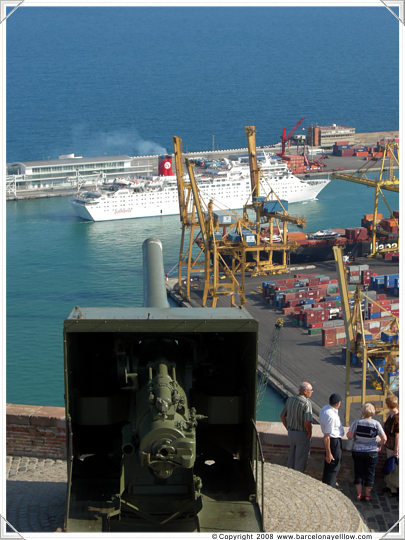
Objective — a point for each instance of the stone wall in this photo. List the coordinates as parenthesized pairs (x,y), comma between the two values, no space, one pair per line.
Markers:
(34,430)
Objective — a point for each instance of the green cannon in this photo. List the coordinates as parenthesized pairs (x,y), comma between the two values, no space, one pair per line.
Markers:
(160,410)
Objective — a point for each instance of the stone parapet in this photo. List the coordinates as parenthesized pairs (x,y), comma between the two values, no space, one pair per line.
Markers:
(35,430)
(40,431)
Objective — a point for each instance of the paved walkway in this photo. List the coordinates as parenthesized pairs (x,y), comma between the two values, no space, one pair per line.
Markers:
(36,495)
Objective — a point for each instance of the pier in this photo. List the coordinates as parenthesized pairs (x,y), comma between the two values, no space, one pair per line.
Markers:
(87,173)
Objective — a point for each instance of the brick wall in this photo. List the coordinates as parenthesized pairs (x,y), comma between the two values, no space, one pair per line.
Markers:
(34,430)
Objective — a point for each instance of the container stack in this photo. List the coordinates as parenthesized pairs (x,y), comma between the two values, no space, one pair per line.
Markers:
(367,221)
(357,273)
(295,163)
(356,234)
(343,149)
(388,282)
(314,302)
(366,152)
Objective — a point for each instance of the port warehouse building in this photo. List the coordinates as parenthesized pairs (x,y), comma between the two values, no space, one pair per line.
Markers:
(69,166)
(70,171)
(327,136)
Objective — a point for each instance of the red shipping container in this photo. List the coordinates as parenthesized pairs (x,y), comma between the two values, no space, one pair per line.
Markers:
(347,152)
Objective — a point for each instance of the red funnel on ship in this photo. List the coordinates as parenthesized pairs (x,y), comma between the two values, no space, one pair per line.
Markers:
(165,167)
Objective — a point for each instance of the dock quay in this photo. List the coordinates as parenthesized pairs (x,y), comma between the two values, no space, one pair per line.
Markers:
(302,357)
(68,174)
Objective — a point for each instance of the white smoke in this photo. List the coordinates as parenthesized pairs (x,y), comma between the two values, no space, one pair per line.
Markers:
(115,142)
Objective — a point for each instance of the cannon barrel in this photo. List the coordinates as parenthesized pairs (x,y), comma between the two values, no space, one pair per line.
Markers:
(154,288)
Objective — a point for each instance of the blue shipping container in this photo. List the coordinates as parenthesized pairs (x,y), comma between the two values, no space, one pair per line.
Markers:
(274,206)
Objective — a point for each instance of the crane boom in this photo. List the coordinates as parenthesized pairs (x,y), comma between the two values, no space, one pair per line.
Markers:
(180,179)
(285,138)
(197,202)
(254,172)
(390,185)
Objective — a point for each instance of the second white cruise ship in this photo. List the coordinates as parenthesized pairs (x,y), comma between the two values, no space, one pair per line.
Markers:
(227,185)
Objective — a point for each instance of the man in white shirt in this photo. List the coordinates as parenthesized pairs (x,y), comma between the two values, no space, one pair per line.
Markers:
(333,432)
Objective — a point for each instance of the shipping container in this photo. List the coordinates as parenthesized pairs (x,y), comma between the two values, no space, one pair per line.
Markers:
(275,206)
(223,217)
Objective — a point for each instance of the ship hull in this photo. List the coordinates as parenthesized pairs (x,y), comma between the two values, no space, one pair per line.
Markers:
(324,252)
(125,204)
(227,185)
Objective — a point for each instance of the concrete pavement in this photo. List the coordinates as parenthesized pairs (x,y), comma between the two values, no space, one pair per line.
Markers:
(36,499)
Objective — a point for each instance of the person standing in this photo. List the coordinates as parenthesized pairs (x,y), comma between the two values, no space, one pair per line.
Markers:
(333,432)
(297,419)
(391,429)
(365,430)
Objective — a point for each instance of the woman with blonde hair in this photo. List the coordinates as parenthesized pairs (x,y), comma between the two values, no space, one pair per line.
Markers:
(391,429)
(365,431)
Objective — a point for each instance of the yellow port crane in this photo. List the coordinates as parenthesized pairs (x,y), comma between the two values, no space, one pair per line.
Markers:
(379,359)
(219,263)
(232,247)
(189,224)
(261,253)
(390,154)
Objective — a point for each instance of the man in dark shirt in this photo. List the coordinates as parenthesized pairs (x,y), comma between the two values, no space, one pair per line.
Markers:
(297,419)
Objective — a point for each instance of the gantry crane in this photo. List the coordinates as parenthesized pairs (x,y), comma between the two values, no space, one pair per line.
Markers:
(212,259)
(189,223)
(217,255)
(391,153)
(285,138)
(378,359)
(261,253)
(191,230)
(227,252)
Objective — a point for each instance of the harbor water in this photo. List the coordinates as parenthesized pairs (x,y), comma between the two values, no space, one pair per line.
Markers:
(56,261)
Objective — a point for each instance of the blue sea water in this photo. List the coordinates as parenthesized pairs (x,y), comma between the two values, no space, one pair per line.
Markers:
(112,80)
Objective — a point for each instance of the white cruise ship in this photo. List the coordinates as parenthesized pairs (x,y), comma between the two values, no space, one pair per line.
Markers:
(228,185)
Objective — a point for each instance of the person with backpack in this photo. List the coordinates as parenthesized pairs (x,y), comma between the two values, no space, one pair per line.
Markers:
(365,431)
